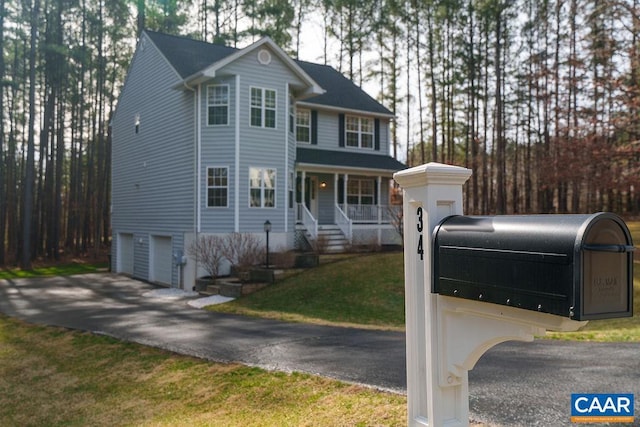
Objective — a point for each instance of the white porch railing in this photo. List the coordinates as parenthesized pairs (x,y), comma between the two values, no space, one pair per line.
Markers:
(310,223)
(371,213)
(344,223)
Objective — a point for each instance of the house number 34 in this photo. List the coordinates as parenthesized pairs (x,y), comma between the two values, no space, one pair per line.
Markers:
(420,227)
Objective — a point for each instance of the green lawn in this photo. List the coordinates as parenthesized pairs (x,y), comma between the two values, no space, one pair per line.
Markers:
(368,291)
(54,377)
(54,270)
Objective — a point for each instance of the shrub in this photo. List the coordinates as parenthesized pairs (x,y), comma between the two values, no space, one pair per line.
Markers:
(209,252)
(243,250)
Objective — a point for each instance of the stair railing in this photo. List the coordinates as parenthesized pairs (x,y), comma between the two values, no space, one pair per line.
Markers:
(344,223)
(310,223)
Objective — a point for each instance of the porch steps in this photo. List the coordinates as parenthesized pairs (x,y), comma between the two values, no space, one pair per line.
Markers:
(331,239)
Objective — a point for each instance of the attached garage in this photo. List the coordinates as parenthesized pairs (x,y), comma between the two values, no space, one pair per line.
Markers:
(125,253)
(161,260)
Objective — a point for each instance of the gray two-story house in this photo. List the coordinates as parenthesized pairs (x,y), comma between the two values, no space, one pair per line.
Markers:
(209,139)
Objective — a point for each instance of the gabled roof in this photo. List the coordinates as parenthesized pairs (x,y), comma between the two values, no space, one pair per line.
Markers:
(347,160)
(192,58)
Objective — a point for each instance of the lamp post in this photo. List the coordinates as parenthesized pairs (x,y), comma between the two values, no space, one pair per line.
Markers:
(267,229)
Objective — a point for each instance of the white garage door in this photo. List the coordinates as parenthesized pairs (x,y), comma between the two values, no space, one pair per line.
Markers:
(161,259)
(125,253)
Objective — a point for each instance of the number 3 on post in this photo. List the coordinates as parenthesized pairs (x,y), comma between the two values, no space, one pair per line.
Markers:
(420,227)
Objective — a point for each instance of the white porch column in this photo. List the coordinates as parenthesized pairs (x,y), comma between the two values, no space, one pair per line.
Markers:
(344,193)
(379,195)
(302,189)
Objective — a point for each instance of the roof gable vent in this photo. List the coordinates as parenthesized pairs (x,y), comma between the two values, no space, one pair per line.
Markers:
(264,57)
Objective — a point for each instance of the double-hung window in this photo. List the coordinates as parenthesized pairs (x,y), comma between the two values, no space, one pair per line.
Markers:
(217,187)
(303,125)
(359,132)
(360,192)
(217,105)
(262,188)
(263,107)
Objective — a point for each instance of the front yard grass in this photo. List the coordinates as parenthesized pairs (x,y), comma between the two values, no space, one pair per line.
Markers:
(53,270)
(363,291)
(52,376)
(368,291)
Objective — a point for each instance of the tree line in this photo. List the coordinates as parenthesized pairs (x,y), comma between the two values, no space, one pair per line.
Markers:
(540,98)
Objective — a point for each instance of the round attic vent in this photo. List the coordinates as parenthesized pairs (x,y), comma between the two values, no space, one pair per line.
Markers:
(264,57)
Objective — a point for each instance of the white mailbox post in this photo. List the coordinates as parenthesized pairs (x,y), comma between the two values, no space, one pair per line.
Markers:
(445,335)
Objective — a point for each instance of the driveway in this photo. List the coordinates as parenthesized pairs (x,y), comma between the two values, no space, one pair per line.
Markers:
(514,384)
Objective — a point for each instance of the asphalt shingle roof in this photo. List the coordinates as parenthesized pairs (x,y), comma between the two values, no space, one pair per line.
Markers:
(189,56)
(348,159)
(186,55)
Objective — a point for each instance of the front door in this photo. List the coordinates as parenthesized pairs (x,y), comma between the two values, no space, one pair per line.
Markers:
(312,196)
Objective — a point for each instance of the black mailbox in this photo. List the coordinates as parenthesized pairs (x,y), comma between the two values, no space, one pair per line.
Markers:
(576,266)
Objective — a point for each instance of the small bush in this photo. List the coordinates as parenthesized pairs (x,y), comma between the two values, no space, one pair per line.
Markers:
(243,250)
(208,251)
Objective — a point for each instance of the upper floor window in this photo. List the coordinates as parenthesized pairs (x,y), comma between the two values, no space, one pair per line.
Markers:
(359,132)
(263,107)
(303,125)
(217,187)
(217,105)
(262,188)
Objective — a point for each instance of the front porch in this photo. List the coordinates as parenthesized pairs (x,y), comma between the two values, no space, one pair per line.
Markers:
(369,226)
(353,210)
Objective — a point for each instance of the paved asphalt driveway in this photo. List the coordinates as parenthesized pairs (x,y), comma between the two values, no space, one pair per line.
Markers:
(514,384)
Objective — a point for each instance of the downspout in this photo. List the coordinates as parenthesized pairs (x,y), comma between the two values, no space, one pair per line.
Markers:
(196,178)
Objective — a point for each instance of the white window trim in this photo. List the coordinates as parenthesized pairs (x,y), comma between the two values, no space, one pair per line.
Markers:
(263,108)
(214,186)
(302,110)
(218,105)
(359,132)
(262,188)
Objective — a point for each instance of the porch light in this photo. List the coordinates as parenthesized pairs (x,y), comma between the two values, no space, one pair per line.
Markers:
(267,229)
(323,184)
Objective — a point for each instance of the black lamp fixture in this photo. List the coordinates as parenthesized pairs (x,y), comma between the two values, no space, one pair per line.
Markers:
(267,229)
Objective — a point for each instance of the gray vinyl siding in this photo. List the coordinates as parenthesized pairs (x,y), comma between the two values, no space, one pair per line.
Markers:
(218,148)
(327,130)
(261,147)
(152,170)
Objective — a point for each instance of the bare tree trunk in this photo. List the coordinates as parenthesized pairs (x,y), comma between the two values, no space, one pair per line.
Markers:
(3,166)
(27,217)
(501,200)
(434,114)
